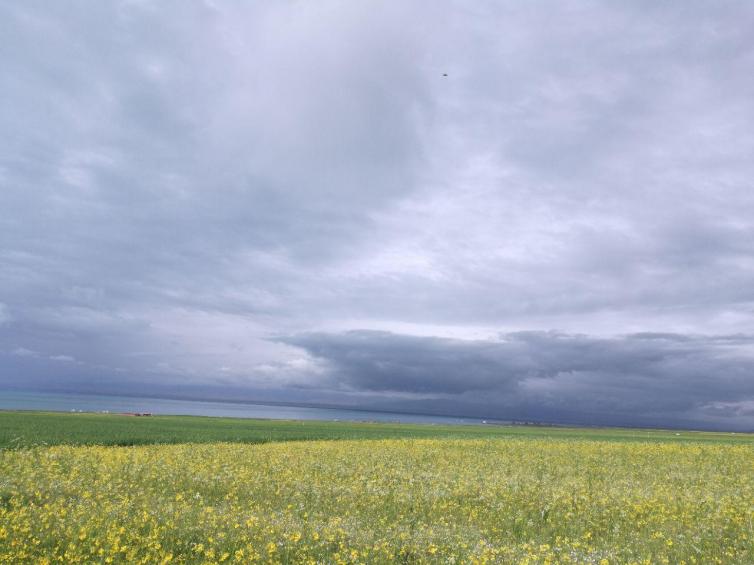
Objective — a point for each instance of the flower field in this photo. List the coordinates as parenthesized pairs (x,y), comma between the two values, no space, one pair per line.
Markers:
(380,501)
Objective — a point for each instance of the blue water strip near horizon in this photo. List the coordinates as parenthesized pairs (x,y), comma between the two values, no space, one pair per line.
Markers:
(70,402)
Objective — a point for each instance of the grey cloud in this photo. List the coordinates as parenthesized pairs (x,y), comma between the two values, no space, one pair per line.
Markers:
(192,162)
(383,362)
(156,167)
(657,379)
(63,358)
(5,316)
(180,182)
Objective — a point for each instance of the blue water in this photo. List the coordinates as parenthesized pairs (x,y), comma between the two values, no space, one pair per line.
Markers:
(58,402)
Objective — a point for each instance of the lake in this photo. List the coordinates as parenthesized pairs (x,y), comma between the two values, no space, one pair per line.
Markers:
(60,402)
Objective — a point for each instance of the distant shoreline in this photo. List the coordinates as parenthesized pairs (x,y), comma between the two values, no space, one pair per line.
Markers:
(310,411)
(65,402)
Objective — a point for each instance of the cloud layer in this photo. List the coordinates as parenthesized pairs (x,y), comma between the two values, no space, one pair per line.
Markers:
(643,378)
(370,204)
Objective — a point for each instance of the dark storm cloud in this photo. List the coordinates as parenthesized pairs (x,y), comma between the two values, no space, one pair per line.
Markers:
(653,378)
(180,182)
(384,362)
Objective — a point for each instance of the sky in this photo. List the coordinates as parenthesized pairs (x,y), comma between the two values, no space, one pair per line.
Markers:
(516,210)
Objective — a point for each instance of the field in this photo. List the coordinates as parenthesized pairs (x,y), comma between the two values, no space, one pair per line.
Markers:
(508,495)
(29,429)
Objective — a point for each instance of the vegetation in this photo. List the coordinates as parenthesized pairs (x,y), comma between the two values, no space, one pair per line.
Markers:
(519,500)
(26,429)
(476,494)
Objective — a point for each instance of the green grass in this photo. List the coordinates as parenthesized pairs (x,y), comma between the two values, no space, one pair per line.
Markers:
(25,429)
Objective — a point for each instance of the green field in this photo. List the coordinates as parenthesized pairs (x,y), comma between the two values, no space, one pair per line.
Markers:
(24,429)
(86,488)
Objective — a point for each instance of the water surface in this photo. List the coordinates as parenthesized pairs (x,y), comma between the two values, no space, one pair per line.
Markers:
(60,402)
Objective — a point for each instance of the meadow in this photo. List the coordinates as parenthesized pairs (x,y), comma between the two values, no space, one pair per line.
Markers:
(28,429)
(514,495)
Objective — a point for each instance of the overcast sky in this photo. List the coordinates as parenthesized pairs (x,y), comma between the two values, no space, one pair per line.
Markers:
(506,209)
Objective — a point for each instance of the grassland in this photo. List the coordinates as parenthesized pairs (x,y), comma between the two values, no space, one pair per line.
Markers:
(26,429)
(506,495)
